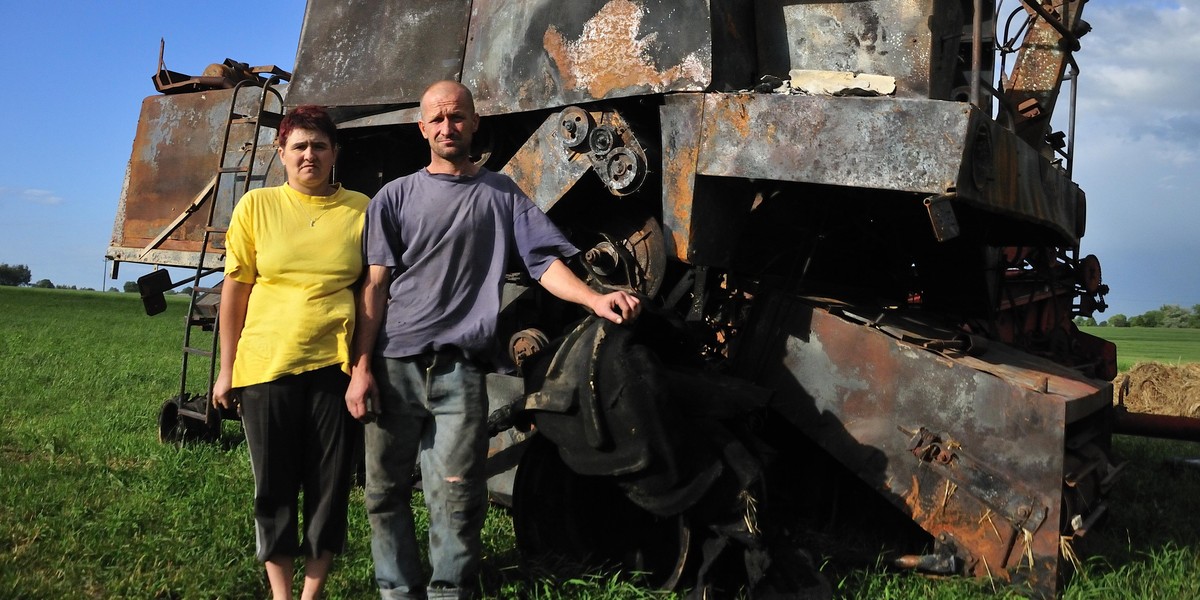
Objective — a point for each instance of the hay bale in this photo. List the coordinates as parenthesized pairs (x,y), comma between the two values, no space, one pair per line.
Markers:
(1163,389)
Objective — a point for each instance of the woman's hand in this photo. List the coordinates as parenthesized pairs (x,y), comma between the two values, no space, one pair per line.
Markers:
(224,396)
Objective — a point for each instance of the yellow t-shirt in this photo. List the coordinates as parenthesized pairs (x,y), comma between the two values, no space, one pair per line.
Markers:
(302,253)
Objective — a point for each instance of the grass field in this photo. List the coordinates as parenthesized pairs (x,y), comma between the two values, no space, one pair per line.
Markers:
(1150,344)
(95,507)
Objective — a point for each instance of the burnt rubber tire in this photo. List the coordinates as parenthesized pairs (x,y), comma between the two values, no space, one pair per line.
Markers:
(568,524)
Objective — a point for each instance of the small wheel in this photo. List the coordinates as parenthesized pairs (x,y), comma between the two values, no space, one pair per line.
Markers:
(170,430)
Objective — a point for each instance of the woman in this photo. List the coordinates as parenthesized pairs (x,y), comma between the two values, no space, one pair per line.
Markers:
(293,253)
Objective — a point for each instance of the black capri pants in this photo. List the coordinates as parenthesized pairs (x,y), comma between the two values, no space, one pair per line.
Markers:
(301,437)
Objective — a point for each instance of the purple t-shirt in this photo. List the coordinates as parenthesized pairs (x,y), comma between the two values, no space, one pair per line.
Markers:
(447,239)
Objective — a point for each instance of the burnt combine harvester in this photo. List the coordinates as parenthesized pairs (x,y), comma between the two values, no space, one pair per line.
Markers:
(855,230)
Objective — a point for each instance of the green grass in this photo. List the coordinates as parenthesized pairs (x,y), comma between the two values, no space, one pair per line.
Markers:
(1150,344)
(94,506)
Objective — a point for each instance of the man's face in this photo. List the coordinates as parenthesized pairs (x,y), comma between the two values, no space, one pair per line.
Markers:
(448,121)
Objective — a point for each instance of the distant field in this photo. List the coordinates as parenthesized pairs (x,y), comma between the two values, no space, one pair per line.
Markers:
(1150,344)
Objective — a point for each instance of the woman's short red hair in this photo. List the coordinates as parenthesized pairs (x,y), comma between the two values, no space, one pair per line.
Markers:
(311,117)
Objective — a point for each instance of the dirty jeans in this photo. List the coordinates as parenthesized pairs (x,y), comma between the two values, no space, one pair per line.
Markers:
(434,406)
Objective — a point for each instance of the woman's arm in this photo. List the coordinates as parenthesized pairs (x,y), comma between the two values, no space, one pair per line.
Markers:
(235,297)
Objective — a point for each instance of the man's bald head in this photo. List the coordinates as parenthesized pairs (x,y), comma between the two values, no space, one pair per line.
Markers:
(448,121)
(447,88)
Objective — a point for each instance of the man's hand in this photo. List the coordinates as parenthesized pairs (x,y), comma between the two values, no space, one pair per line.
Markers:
(362,397)
(617,307)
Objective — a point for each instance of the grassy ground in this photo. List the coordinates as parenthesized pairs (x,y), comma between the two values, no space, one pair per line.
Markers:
(1146,344)
(94,507)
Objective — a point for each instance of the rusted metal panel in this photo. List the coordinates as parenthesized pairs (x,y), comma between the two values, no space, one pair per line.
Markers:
(873,143)
(176,153)
(1037,75)
(545,167)
(680,117)
(530,54)
(915,41)
(866,396)
(362,53)
(698,212)
(921,146)
(1004,174)
(516,55)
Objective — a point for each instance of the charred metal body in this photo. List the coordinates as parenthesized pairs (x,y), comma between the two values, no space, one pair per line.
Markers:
(850,260)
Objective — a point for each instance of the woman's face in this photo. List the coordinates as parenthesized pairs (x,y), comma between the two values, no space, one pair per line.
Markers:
(308,158)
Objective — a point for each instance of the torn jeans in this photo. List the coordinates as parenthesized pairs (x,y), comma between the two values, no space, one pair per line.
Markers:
(434,407)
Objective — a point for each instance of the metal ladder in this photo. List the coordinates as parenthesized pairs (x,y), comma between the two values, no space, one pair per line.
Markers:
(191,415)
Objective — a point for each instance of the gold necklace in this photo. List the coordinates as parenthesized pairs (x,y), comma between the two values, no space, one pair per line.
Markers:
(312,221)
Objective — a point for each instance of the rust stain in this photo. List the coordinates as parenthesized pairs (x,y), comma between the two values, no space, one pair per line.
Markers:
(913,500)
(680,203)
(609,55)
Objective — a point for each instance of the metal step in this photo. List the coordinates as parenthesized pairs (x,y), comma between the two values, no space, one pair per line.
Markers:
(270,119)
(184,412)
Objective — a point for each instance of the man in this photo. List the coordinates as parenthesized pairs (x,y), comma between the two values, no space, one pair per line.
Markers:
(437,244)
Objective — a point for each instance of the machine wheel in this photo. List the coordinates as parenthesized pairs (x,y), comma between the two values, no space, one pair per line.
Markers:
(207,429)
(170,430)
(568,524)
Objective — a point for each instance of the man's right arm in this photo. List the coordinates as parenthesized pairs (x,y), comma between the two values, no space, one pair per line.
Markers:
(362,395)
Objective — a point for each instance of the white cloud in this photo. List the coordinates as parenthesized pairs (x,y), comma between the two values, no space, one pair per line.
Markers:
(30,196)
(1139,59)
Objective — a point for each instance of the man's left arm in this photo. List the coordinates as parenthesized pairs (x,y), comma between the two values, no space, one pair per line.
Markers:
(617,307)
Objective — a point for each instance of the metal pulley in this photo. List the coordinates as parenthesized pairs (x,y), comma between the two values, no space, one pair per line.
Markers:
(628,252)
(575,124)
(623,169)
(602,140)
(606,139)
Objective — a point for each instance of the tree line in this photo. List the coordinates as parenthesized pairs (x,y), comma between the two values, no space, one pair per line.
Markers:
(20,275)
(1169,315)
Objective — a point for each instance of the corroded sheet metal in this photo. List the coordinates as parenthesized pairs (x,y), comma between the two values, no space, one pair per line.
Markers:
(531,54)
(873,143)
(1037,74)
(361,53)
(698,212)
(863,395)
(1014,179)
(915,41)
(544,167)
(680,118)
(927,147)
(176,152)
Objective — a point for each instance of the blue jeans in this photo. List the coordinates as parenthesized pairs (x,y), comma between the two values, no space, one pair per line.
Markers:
(434,408)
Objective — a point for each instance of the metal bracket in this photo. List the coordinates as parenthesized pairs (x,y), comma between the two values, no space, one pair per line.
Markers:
(941,216)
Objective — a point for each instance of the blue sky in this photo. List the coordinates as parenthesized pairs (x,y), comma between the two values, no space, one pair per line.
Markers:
(74,74)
